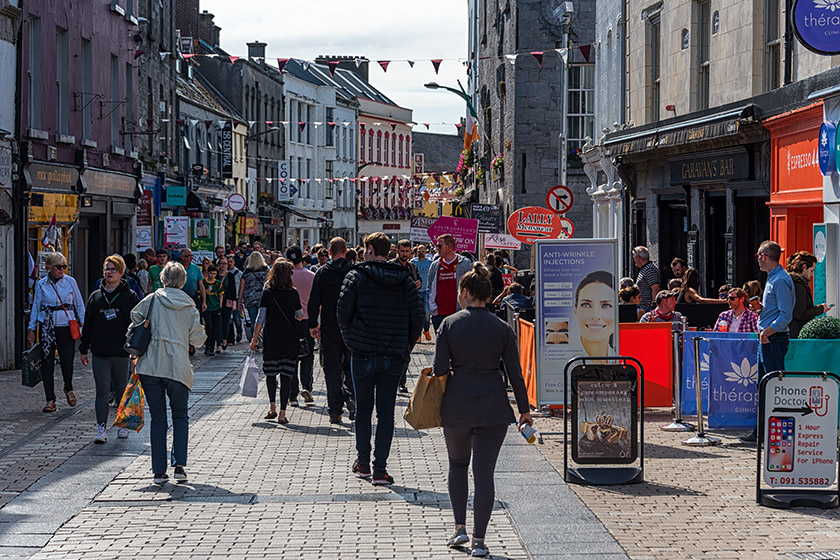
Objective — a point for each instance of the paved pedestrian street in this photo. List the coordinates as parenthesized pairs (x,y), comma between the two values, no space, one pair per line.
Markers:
(259,489)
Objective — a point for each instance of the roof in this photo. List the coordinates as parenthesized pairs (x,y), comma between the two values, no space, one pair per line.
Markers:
(348,84)
(440,151)
(196,92)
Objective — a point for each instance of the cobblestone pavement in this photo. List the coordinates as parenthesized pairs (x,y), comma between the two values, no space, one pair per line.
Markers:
(257,488)
(699,503)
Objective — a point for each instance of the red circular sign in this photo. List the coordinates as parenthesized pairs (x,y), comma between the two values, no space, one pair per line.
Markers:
(532,223)
(567,227)
(559,199)
(236,202)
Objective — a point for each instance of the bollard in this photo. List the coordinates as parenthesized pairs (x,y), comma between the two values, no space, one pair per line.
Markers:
(677,425)
(701,439)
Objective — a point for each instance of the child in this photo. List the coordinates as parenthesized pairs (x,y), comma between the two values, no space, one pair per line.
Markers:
(143,275)
(215,299)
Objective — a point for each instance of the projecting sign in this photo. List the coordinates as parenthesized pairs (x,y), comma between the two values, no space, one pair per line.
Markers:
(817,25)
(227,150)
(284,187)
(559,199)
(532,223)
(488,216)
(826,148)
(501,241)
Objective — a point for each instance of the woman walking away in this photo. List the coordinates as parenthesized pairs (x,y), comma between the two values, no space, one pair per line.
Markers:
(108,316)
(801,267)
(57,302)
(165,368)
(475,411)
(277,319)
(251,287)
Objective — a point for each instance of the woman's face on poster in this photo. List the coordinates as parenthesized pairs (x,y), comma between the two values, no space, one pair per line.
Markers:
(595,312)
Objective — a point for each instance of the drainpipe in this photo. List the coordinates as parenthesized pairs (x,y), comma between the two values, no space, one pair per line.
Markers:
(788,42)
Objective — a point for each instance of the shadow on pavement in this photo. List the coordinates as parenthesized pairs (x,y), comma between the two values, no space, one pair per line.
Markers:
(651,489)
(656,451)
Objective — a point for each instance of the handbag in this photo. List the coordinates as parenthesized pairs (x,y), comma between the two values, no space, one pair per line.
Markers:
(423,411)
(250,381)
(130,412)
(30,366)
(303,341)
(75,332)
(139,335)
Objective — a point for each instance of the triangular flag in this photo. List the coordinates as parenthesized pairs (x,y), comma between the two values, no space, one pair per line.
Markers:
(564,53)
(585,50)
(436,64)
(511,58)
(251,123)
(332,125)
(208,124)
(188,56)
(138,54)
(538,55)
(302,125)
(269,123)
(333,64)
(305,65)
(221,124)
(410,63)
(281,63)
(458,126)
(194,122)
(163,55)
(393,127)
(233,59)
(384,64)
(426,125)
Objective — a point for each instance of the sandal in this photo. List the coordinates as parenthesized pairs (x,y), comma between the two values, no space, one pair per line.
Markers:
(270,415)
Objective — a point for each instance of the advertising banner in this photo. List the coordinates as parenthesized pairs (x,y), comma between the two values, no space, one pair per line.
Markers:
(501,241)
(488,216)
(144,208)
(176,232)
(202,235)
(800,430)
(227,150)
(464,230)
(577,307)
(144,238)
(733,380)
(533,223)
(419,229)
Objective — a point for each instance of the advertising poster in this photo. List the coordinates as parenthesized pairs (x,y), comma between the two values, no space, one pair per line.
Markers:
(488,216)
(577,308)
(733,380)
(144,238)
(464,230)
(820,246)
(202,235)
(604,422)
(419,229)
(800,431)
(176,232)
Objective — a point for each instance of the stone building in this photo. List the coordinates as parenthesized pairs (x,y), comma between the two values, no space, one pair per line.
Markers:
(520,102)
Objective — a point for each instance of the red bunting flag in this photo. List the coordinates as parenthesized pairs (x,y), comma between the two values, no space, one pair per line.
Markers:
(188,56)
(458,126)
(233,59)
(302,125)
(269,123)
(281,63)
(208,124)
(333,64)
(436,64)
(138,54)
(585,51)
(332,125)
(384,64)
(538,55)
(426,125)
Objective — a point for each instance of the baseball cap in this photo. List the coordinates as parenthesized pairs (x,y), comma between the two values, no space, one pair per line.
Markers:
(294,254)
(662,294)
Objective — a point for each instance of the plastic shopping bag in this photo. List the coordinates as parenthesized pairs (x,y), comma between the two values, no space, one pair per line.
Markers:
(250,380)
(423,410)
(130,412)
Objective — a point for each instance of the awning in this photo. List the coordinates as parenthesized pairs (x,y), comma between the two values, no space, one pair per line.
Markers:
(700,129)
(196,203)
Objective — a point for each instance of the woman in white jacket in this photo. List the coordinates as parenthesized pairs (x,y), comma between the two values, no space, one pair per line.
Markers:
(165,368)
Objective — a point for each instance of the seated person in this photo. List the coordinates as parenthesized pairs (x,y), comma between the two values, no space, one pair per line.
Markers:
(666,302)
(516,298)
(723,291)
(632,296)
(738,318)
(674,284)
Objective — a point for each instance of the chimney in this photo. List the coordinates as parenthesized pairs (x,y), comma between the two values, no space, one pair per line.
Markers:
(208,31)
(257,50)
(348,63)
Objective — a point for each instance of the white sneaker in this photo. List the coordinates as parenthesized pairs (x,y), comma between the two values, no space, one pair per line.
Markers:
(122,433)
(101,434)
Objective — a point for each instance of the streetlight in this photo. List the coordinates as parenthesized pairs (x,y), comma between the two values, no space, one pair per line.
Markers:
(460,93)
(271,129)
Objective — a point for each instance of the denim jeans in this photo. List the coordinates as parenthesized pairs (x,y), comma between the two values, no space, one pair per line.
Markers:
(375,382)
(771,356)
(426,320)
(252,319)
(157,389)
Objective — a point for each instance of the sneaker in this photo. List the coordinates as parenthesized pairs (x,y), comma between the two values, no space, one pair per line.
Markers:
(307,396)
(180,474)
(122,433)
(427,335)
(335,418)
(382,478)
(458,538)
(404,389)
(362,471)
(479,548)
(419,339)
(101,434)
(351,410)
(161,478)
(294,402)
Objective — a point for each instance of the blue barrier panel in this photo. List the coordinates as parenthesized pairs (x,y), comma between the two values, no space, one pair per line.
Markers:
(689,397)
(733,378)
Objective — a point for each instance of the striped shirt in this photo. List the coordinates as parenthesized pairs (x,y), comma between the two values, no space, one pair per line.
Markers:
(648,276)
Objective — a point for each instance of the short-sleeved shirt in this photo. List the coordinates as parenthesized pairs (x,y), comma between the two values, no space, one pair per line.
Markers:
(213,294)
(280,336)
(303,280)
(648,276)
(194,276)
(154,276)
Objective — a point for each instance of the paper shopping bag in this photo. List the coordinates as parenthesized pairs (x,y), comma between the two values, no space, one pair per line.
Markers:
(130,412)
(423,410)
(250,380)
(30,366)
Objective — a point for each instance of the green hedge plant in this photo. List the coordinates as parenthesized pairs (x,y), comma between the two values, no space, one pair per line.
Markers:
(822,327)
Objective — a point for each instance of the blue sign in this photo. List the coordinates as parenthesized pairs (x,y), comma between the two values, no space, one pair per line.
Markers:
(817,25)
(176,195)
(826,148)
(292,190)
(733,381)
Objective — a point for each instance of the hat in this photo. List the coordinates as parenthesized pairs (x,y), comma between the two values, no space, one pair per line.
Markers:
(294,254)
(662,294)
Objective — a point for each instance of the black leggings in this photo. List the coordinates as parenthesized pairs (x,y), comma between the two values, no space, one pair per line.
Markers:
(483,444)
(66,352)
(285,388)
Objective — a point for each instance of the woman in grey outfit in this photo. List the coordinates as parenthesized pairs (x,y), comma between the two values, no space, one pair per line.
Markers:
(475,411)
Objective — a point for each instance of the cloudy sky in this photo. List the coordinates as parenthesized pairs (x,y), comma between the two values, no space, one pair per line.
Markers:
(376,29)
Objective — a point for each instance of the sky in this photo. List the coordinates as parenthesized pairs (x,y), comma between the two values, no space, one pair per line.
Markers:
(376,29)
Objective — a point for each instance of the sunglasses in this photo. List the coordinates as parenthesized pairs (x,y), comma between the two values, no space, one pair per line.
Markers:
(60,266)
(759,255)
(730,298)
(107,270)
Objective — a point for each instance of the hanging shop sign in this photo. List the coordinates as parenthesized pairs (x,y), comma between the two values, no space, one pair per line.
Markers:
(144,208)
(501,241)
(827,148)
(464,230)
(706,167)
(488,216)
(817,25)
(532,223)
(176,195)
(227,150)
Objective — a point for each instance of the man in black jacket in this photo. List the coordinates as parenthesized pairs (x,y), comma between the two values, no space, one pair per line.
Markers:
(380,315)
(336,357)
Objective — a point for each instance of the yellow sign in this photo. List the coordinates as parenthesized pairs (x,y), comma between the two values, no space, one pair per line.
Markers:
(64,206)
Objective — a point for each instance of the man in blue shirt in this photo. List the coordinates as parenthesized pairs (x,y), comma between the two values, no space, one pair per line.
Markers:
(517,299)
(423,264)
(776,313)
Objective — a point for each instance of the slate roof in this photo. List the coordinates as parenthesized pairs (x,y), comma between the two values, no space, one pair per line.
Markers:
(348,84)
(197,92)
(440,151)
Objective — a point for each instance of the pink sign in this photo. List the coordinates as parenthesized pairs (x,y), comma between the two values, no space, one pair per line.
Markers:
(464,230)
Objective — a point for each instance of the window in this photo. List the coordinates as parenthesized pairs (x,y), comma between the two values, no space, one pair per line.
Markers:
(62,77)
(379,149)
(362,147)
(772,45)
(115,96)
(308,124)
(370,147)
(407,151)
(581,103)
(129,104)
(330,130)
(704,34)
(34,76)
(328,172)
(401,150)
(387,136)
(393,154)
(655,67)
(87,85)
(308,176)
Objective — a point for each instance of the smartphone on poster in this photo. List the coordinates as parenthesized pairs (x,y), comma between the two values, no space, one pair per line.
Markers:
(780,443)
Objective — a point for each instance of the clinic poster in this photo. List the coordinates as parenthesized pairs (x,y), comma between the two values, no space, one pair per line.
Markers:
(577,307)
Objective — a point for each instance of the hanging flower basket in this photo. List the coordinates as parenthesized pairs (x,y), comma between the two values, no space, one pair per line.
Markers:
(573,159)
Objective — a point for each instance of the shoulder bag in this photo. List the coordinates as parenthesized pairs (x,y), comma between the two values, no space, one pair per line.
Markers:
(303,341)
(139,335)
(75,333)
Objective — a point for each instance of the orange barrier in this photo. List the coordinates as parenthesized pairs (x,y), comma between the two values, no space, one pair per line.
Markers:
(528,359)
(651,344)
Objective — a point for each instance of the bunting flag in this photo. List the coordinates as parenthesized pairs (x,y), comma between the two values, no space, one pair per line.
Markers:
(384,64)
(188,56)
(281,63)
(585,50)
(539,56)
(333,64)
(410,63)
(436,64)
(163,55)
(138,54)
(393,127)
(332,125)
(302,125)
(233,59)
(564,54)
(426,125)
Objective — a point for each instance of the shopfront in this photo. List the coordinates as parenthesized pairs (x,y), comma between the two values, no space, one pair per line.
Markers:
(53,210)
(796,184)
